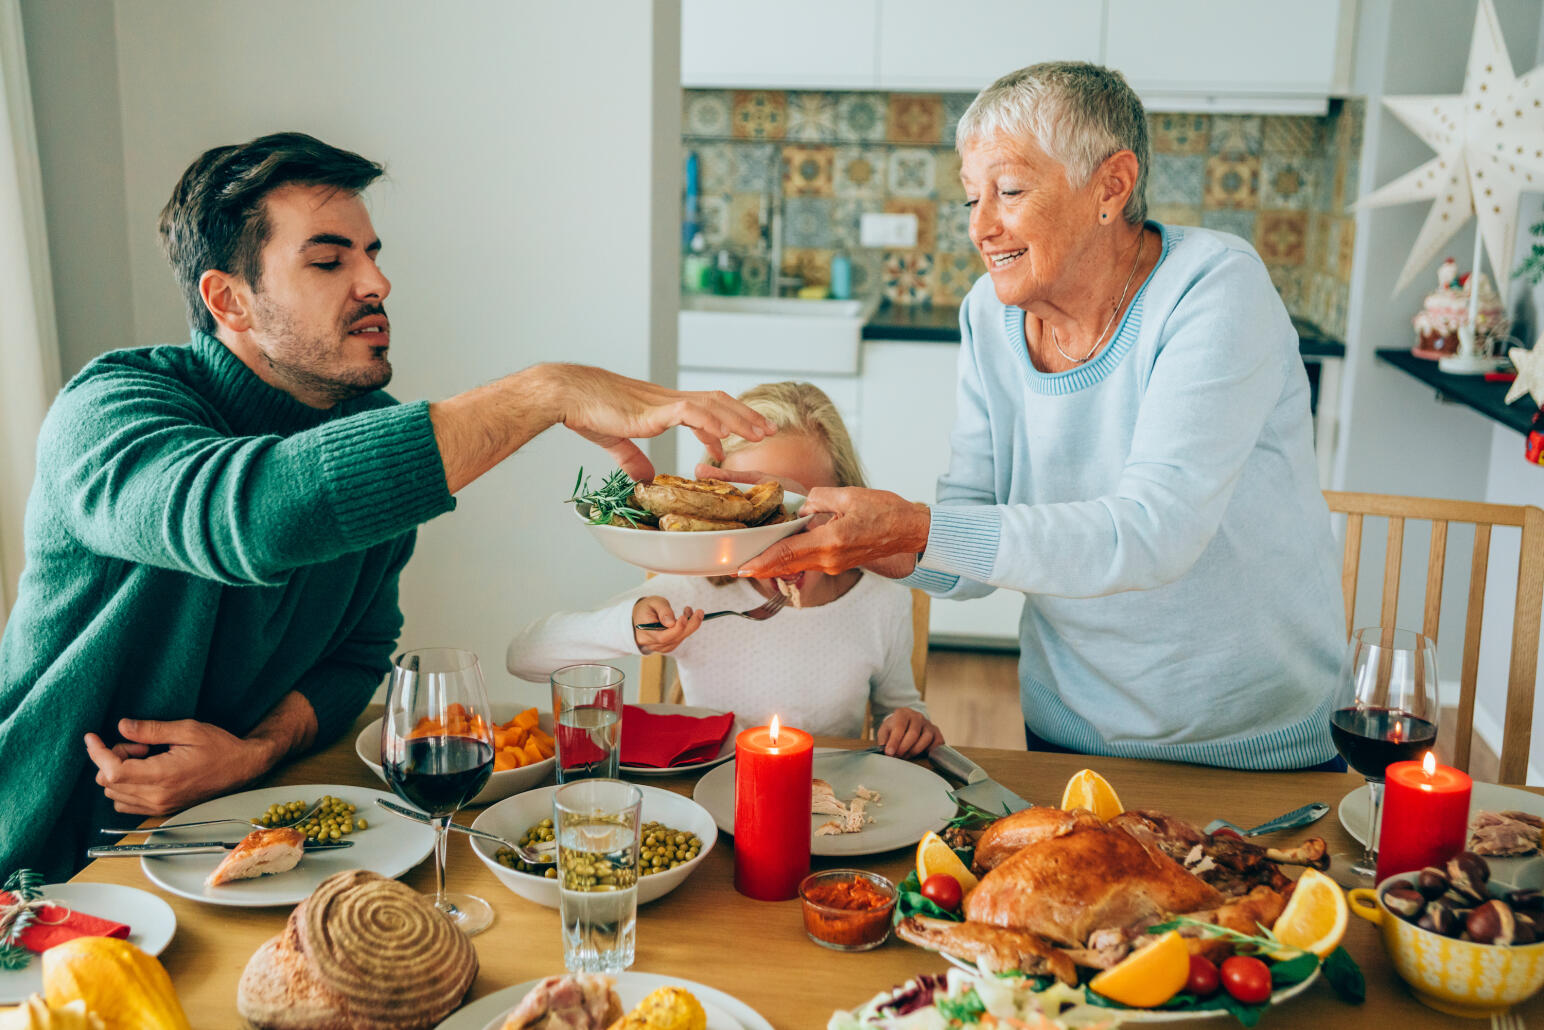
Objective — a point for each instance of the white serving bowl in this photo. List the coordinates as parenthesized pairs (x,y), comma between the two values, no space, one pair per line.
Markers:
(501,784)
(715,553)
(511,817)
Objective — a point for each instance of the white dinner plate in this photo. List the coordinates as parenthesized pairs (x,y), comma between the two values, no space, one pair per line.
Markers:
(150,920)
(1524,870)
(913,800)
(1169,1015)
(724,1012)
(389,845)
(725,753)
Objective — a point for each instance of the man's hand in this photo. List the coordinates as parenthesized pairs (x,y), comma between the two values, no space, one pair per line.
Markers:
(200,760)
(907,732)
(612,411)
(874,529)
(792,486)
(663,641)
(478,429)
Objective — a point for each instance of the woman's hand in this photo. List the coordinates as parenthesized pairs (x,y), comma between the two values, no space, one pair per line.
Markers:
(663,641)
(874,529)
(908,732)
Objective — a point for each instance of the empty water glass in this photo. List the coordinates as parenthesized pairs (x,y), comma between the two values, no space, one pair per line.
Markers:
(587,707)
(598,823)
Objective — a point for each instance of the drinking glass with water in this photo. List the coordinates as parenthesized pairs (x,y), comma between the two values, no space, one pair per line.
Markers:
(587,707)
(597,823)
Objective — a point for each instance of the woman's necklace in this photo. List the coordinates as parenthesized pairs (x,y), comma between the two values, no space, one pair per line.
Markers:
(1141,241)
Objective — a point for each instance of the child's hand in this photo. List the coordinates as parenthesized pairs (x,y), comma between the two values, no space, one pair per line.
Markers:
(663,641)
(907,732)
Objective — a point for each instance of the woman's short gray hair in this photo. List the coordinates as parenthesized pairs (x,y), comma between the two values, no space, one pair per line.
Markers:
(1078,113)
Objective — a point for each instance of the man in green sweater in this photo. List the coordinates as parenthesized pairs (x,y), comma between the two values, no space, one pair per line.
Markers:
(215,533)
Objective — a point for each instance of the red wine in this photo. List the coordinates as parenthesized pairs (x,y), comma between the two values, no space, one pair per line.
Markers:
(1372,739)
(440,774)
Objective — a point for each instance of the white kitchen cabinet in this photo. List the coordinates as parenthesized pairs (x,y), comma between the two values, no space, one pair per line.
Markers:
(966,44)
(1225,49)
(793,44)
(1179,55)
(906,396)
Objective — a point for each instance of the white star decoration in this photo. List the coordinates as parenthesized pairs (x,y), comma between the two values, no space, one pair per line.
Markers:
(1490,147)
(1530,373)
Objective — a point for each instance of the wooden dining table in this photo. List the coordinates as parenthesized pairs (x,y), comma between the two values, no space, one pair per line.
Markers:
(757,951)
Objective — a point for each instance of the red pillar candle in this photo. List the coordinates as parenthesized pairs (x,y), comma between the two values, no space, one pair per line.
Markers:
(1425,816)
(773,767)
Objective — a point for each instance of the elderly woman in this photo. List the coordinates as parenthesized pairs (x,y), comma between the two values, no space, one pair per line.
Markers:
(1132,451)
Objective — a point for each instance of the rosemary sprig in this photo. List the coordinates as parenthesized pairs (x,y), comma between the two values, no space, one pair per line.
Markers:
(1266,941)
(613,498)
(25,886)
(970,817)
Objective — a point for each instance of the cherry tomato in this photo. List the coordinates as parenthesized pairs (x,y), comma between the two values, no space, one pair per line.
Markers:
(1247,979)
(943,890)
(1203,980)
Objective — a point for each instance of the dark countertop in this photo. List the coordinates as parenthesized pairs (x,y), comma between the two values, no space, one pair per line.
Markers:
(940,323)
(1485,397)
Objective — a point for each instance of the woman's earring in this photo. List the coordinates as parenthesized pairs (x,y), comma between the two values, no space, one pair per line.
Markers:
(1103,215)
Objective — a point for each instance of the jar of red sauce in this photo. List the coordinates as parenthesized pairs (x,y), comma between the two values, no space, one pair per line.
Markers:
(847,909)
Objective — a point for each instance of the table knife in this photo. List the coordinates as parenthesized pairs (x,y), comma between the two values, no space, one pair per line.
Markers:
(207,847)
(980,790)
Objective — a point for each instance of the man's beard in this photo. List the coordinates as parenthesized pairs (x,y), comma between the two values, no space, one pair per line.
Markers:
(316,364)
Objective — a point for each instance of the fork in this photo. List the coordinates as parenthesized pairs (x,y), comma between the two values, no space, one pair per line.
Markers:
(760,613)
(1506,1021)
(536,855)
(302,817)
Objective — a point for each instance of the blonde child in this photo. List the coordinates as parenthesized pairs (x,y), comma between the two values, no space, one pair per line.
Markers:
(844,648)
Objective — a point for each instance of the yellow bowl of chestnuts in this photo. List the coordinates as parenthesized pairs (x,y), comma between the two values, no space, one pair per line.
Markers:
(1466,946)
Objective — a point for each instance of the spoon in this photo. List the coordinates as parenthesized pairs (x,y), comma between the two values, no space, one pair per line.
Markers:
(539,855)
(1297,817)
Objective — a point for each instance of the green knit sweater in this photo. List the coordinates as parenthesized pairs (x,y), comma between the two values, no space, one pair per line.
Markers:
(198,545)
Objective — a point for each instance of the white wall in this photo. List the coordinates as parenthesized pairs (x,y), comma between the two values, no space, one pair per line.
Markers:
(1397,437)
(531,190)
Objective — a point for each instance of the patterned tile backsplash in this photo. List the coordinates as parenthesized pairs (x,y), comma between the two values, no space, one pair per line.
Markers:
(1280,182)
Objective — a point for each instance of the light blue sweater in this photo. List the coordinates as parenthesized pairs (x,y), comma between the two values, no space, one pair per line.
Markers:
(1160,510)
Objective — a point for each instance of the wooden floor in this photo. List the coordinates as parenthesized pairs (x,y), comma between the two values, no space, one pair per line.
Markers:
(973,696)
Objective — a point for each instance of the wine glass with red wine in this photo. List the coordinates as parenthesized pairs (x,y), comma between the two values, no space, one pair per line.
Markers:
(437,752)
(1385,712)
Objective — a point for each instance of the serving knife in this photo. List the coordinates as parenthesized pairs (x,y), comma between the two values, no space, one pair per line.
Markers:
(207,847)
(980,790)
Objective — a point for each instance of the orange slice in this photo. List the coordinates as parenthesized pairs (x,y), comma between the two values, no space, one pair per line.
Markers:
(1315,919)
(1147,977)
(934,856)
(1087,789)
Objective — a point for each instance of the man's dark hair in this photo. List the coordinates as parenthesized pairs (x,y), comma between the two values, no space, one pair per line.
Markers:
(216,217)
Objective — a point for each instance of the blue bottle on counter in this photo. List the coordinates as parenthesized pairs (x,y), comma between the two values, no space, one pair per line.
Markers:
(841,277)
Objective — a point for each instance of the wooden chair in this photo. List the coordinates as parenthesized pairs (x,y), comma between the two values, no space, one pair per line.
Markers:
(1518,728)
(652,670)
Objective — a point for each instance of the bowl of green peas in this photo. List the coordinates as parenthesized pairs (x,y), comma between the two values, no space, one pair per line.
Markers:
(677,834)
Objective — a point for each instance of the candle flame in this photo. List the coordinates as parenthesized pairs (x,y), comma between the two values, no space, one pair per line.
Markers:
(775,727)
(1429,763)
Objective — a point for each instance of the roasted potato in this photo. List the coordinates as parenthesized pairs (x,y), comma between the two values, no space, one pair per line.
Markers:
(766,499)
(699,498)
(692,524)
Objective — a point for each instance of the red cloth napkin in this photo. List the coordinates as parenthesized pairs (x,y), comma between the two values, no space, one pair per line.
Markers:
(665,740)
(56,924)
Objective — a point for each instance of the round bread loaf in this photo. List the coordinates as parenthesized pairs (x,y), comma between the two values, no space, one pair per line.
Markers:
(362,952)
